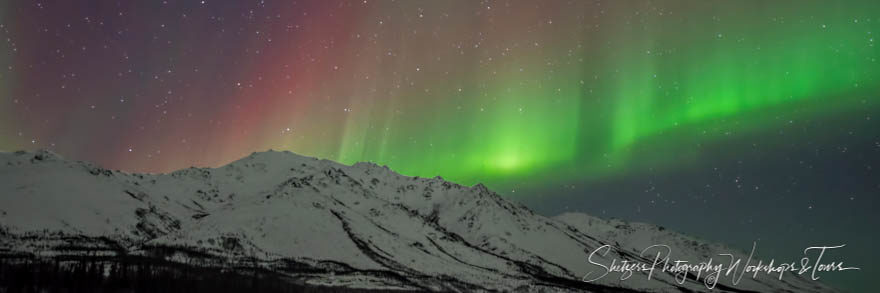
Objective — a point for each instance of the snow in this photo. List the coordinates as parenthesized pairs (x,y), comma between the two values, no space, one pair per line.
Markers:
(360,226)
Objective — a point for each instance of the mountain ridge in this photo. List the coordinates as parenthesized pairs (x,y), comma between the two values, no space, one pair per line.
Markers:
(322,223)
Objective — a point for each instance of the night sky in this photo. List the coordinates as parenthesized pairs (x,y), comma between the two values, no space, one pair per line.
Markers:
(734,121)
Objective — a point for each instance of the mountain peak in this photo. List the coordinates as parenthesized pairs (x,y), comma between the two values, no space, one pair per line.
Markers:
(319,222)
(36,155)
(45,154)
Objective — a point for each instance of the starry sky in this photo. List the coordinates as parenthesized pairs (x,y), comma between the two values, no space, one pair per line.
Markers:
(735,121)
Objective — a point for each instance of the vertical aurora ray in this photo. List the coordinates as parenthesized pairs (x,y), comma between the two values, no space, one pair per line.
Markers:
(661,76)
(475,93)
(733,71)
(745,111)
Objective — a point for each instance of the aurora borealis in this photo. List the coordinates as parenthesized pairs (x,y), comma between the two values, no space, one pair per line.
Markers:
(541,100)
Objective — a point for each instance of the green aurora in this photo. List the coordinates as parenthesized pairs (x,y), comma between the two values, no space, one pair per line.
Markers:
(645,90)
(737,121)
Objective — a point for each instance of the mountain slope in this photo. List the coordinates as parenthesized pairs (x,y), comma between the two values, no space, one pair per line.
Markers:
(317,222)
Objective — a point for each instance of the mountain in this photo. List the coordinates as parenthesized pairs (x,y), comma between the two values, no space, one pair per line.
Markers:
(279,221)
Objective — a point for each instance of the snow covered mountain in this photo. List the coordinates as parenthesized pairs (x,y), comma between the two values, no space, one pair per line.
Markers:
(321,224)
